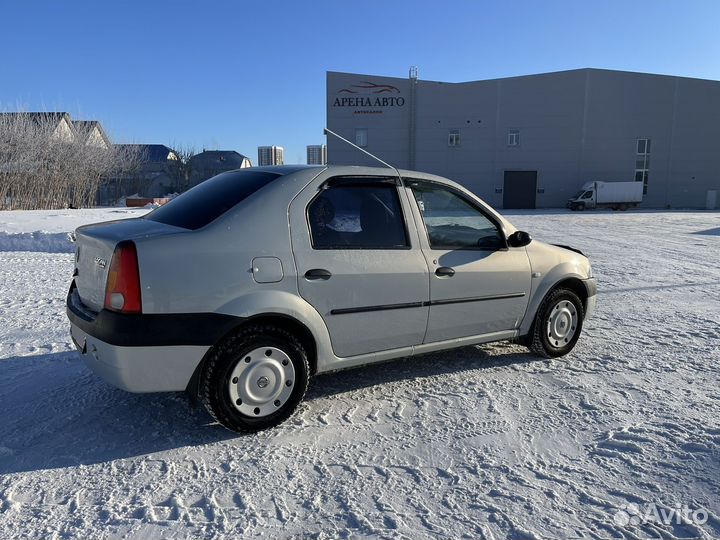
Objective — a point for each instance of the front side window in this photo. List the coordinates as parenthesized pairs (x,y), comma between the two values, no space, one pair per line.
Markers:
(452,221)
(587,195)
(361,137)
(357,216)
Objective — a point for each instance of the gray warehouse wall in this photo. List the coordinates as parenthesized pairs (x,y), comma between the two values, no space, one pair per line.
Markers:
(622,107)
(694,165)
(548,112)
(575,126)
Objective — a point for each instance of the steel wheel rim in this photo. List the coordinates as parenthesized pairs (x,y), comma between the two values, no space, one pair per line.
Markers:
(261,382)
(562,323)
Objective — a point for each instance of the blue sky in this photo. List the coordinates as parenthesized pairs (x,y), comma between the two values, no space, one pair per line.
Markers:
(235,75)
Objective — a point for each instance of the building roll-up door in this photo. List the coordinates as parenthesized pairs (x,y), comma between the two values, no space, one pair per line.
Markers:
(519,189)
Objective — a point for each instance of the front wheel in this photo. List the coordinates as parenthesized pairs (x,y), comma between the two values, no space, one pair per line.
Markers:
(255,379)
(558,323)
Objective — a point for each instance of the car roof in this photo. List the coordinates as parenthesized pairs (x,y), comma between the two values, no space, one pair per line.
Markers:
(311,171)
(283,169)
(362,170)
(343,170)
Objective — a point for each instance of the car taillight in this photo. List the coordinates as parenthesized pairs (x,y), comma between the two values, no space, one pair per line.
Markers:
(122,291)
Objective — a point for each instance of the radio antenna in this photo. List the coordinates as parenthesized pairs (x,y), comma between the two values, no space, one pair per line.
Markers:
(326,131)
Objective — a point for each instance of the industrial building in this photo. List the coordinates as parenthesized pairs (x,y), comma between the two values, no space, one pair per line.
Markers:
(317,154)
(532,141)
(271,155)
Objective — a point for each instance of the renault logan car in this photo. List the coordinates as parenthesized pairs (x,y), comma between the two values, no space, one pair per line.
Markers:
(242,288)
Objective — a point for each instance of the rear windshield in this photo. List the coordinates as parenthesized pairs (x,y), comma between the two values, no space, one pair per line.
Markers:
(209,200)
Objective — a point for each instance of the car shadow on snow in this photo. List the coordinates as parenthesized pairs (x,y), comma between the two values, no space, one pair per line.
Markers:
(470,358)
(57,414)
(709,232)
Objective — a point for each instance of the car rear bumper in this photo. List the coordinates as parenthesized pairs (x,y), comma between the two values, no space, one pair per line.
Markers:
(139,369)
(146,352)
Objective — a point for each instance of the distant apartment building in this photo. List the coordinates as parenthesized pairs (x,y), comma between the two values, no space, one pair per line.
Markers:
(317,154)
(271,155)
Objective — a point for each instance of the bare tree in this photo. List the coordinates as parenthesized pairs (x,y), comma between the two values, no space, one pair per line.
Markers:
(124,177)
(46,163)
(183,169)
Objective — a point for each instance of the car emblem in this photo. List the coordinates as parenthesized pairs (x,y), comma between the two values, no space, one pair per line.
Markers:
(263,381)
(100,262)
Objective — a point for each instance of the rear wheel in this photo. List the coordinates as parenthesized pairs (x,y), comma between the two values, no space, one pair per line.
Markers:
(558,323)
(255,379)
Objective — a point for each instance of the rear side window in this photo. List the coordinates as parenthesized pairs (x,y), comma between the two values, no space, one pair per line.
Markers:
(357,216)
(206,202)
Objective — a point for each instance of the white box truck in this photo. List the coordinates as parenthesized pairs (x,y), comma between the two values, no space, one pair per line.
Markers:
(615,195)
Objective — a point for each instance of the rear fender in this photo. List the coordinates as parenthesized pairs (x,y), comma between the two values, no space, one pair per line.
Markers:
(287,304)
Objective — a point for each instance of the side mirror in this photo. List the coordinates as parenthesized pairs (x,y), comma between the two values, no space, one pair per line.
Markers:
(519,239)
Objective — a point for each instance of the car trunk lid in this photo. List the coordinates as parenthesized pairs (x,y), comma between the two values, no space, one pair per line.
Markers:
(94,248)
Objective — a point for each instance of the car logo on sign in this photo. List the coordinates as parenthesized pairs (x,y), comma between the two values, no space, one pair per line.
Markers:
(100,262)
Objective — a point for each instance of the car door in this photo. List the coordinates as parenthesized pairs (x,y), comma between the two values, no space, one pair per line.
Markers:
(478,285)
(359,263)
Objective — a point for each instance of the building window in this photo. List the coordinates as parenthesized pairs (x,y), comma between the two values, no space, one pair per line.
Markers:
(513,137)
(642,162)
(361,137)
(454,137)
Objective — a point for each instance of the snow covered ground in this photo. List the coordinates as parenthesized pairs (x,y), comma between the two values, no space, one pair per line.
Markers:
(47,230)
(483,441)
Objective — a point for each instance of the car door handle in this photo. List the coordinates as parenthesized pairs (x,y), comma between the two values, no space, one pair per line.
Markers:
(444,271)
(318,273)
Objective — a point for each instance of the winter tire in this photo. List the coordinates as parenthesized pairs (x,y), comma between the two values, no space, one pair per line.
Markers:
(255,379)
(557,325)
